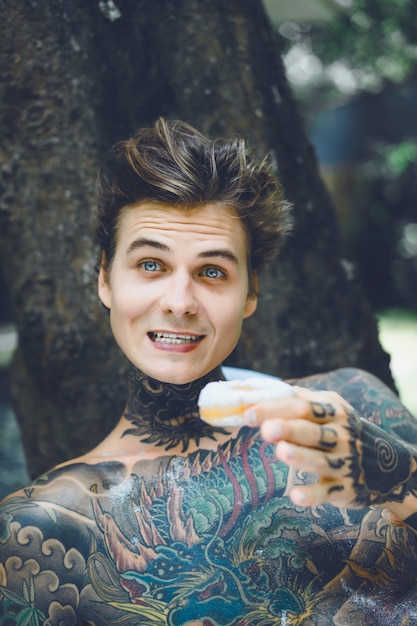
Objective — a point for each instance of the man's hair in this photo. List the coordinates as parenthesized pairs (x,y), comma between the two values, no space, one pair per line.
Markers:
(173,164)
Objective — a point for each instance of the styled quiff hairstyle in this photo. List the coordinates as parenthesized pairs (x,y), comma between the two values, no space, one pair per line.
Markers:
(173,164)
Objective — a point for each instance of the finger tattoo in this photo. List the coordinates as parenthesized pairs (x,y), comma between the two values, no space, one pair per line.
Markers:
(335,463)
(321,410)
(328,437)
(335,488)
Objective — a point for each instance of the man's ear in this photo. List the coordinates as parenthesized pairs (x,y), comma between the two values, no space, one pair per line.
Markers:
(104,290)
(252,299)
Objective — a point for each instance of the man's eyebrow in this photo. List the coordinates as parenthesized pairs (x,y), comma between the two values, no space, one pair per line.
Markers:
(223,253)
(206,254)
(143,242)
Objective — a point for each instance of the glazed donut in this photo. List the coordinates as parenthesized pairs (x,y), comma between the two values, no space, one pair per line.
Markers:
(223,403)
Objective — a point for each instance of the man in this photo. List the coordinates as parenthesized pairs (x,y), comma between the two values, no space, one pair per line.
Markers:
(309,519)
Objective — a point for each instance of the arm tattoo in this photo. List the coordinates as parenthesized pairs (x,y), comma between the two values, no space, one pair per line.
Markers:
(383,467)
(370,398)
(383,459)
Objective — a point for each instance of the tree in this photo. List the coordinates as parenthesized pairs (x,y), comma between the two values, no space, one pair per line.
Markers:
(76,79)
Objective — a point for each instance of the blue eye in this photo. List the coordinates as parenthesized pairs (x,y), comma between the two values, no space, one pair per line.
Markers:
(213,272)
(150,266)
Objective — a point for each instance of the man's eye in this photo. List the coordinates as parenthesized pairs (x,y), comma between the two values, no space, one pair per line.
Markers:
(150,266)
(213,272)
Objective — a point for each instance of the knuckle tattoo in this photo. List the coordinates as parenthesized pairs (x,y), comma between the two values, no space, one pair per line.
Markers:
(322,410)
(335,489)
(335,464)
(328,437)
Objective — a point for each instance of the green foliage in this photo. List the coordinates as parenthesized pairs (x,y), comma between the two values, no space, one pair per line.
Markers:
(29,615)
(378,36)
(400,156)
(376,40)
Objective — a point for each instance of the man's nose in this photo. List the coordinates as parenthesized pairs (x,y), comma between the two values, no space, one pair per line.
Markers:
(179,298)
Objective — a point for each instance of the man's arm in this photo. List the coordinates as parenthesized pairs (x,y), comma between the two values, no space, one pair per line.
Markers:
(354,435)
(370,397)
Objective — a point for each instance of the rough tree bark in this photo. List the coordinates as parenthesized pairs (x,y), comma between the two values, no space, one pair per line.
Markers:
(77,77)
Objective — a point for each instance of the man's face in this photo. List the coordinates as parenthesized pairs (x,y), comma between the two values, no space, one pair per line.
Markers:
(177,289)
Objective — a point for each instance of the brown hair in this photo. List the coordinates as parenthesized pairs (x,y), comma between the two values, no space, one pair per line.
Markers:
(173,164)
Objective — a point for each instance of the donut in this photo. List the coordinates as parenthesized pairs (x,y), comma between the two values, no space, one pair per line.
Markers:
(223,403)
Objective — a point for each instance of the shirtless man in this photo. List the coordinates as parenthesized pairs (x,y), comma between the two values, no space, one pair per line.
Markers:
(306,515)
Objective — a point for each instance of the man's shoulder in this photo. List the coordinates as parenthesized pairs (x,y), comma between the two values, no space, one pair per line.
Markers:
(337,379)
(46,532)
(62,491)
(56,507)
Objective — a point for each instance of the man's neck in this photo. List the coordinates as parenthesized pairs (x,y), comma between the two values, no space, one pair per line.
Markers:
(166,415)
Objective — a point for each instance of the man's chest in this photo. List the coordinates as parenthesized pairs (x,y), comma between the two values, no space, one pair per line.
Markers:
(213,539)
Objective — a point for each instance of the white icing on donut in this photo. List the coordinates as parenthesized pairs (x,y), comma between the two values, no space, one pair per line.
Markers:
(223,403)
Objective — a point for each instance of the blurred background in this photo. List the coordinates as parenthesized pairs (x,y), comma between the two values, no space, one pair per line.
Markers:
(352,65)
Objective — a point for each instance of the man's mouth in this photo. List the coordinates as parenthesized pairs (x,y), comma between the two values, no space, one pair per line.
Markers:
(174,338)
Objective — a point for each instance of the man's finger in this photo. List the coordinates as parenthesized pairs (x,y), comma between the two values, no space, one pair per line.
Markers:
(330,491)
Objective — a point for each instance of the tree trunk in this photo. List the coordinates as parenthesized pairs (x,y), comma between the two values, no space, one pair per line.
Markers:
(74,81)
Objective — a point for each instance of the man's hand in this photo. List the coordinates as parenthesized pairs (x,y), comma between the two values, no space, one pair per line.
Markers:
(357,463)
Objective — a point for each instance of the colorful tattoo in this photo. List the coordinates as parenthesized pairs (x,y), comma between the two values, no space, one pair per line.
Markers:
(205,539)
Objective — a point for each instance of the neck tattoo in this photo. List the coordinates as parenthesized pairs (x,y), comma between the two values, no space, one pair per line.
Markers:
(167,415)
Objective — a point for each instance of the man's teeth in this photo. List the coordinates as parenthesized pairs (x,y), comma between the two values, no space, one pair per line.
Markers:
(173,338)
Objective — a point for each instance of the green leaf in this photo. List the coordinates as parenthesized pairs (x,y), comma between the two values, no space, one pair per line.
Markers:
(24,617)
(32,590)
(26,592)
(11,595)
